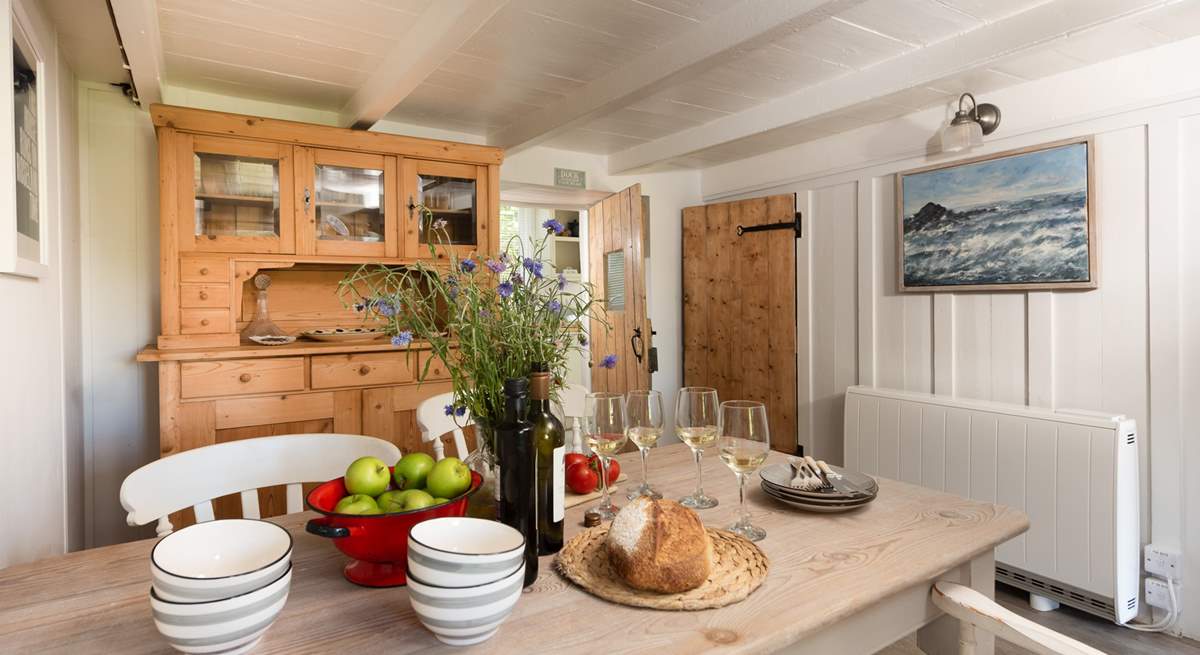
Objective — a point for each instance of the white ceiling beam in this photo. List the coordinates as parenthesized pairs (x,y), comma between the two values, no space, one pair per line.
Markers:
(440,30)
(731,33)
(1025,31)
(137,27)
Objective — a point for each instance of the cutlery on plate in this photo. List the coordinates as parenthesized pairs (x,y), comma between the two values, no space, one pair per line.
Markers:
(837,481)
(803,478)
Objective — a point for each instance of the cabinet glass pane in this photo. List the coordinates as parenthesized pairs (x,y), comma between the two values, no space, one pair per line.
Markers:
(451,199)
(236,196)
(349,204)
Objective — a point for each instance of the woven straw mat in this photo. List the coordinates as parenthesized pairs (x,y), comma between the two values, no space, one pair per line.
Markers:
(739,567)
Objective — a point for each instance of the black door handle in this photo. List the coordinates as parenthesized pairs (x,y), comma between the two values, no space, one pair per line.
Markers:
(635,342)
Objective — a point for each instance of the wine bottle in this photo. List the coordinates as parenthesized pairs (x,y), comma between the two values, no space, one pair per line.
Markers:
(550,442)
(518,471)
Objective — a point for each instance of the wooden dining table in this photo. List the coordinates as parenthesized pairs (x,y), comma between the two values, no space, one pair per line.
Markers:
(837,584)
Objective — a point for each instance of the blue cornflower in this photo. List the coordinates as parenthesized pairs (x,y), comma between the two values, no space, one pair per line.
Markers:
(562,282)
(402,339)
(505,289)
(449,409)
(553,226)
(384,307)
(460,411)
(495,266)
(452,292)
(467,266)
(609,361)
(583,339)
(533,266)
(517,278)
(554,306)
(358,306)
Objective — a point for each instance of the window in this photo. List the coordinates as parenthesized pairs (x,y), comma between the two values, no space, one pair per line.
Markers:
(614,280)
(510,228)
(23,244)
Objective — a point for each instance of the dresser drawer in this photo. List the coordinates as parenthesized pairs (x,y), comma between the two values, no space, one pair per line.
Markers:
(203,269)
(193,294)
(362,370)
(203,321)
(437,369)
(235,377)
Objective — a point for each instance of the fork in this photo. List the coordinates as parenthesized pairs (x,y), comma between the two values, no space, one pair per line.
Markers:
(804,478)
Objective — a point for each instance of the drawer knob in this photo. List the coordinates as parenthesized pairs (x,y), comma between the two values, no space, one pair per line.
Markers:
(204,270)
(244,377)
(203,295)
(364,369)
(204,321)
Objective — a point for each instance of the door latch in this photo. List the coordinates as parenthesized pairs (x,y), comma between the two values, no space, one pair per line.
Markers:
(635,342)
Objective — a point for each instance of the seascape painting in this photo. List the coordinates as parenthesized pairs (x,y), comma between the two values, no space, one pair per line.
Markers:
(1014,220)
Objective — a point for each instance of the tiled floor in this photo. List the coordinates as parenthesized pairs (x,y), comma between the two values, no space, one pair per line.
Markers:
(1091,630)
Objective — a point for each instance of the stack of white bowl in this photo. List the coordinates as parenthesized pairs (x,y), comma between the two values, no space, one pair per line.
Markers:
(218,586)
(464,576)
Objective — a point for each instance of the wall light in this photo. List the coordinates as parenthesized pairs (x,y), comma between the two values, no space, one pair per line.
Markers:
(967,128)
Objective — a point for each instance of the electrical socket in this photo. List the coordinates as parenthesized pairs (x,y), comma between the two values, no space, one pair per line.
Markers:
(1157,594)
(1163,562)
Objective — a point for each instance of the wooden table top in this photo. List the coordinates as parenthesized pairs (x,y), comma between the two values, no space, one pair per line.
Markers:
(824,567)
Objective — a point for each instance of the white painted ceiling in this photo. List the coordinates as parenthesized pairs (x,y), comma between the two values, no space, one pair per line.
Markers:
(528,73)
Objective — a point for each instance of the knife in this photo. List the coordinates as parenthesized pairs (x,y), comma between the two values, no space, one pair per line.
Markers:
(836,480)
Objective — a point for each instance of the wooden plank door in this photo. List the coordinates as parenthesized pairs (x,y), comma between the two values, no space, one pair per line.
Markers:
(739,307)
(616,229)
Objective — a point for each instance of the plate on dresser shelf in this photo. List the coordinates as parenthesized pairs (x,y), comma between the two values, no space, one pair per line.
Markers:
(345,335)
(273,340)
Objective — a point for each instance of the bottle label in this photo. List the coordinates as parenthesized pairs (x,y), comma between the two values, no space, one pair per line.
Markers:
(560,481)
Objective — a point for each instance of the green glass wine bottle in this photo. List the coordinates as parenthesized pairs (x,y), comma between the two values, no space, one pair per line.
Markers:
(550,442)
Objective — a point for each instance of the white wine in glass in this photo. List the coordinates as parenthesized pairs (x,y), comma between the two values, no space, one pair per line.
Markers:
(744,444)
(644,411)
(696,423)
(605,430)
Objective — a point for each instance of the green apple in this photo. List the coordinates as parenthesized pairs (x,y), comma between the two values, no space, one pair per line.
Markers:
(416,499)
(368,476)
(440,501)
(392,501)
(356,504)
(412,470)
(449,478)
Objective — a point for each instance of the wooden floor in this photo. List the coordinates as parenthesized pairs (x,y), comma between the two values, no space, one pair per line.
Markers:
(1091,630)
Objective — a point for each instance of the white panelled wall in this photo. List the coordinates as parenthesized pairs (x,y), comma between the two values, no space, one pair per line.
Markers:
(1131,347)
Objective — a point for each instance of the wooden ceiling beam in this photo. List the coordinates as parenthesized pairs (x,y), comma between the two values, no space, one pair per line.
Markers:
(444,27)
(137,28)
(727,35)
(1022,32)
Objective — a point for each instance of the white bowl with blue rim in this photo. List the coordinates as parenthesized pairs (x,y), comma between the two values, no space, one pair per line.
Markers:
(461,616)
(219,559)
(229,626)
(459,551)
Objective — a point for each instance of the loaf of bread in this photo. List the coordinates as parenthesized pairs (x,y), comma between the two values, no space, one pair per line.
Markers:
(659,545)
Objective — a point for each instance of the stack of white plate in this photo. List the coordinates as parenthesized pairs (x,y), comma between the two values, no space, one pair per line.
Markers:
(852,491)
(217,586)
(464,576)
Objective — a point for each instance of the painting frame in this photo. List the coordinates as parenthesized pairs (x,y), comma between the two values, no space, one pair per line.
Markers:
(1093,240)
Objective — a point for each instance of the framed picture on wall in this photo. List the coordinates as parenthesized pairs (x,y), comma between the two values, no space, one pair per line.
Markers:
(1016,220)
(23,238)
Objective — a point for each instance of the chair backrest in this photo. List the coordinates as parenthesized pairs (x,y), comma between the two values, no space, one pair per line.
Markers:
(193,478)
(570,410)
(433,421)
(974,609)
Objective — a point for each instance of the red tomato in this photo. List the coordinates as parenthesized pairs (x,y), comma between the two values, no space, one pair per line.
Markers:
(581,479)
(570,459)
(614,468)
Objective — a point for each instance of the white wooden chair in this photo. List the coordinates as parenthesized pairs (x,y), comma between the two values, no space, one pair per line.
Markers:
(432,419)
(570,411)
(193,478)
(976,611)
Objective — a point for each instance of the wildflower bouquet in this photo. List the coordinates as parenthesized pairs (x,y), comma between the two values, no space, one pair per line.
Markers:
(488,319)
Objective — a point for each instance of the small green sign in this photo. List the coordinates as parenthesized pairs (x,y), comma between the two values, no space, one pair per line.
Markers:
(570,178)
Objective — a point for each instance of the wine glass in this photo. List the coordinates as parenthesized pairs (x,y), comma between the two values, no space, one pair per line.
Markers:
(645,412)
(696,422)
(604,414)
(744,444)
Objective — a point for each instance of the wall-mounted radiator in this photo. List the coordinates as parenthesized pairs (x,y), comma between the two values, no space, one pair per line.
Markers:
(1074,473)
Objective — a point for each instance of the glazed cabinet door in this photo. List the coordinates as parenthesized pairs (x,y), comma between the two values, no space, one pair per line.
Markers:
(235,195)
(454,193)
(347,203)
